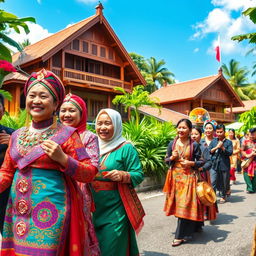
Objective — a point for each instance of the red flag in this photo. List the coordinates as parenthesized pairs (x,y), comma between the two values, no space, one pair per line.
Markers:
(217,49)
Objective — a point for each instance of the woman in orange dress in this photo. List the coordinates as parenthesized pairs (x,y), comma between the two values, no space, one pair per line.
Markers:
(183,156)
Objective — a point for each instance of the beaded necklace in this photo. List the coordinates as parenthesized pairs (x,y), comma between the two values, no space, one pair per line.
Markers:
(31,137)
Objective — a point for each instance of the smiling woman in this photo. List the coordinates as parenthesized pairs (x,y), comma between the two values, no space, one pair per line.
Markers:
(42,164)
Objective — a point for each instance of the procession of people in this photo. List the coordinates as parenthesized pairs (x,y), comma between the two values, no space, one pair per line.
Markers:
(67,191)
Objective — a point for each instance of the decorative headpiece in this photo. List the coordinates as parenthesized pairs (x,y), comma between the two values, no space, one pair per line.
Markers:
(212,122)
(81,106)
(50,81)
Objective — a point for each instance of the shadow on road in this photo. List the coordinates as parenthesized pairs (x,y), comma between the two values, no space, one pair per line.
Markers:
(223,218)
(150,253)
(236,199)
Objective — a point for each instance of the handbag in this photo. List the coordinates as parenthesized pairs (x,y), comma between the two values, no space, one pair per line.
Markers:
(245,163)
(205,192)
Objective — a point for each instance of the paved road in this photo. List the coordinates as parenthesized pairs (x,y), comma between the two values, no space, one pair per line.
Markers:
(230,235)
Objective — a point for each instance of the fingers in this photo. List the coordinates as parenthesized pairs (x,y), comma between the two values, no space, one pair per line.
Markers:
(113,175)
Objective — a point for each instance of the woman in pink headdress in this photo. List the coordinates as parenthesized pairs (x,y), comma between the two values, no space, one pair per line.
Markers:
(43,163)
(73,112)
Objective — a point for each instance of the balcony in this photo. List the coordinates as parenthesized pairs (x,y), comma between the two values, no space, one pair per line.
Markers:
(222,117)
(90,78)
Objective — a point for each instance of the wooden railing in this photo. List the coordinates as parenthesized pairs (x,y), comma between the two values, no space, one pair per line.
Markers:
(222,117)
(89,78)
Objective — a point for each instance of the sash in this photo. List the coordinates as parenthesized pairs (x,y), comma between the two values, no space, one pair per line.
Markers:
(130,200)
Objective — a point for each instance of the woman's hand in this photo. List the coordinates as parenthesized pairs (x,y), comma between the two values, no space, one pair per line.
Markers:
(4,137)
(55,152)
(114,175)
(185,163)
(174,155)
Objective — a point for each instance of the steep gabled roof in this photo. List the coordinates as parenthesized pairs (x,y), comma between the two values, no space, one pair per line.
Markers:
(47,47)
(192,89)
(42,48)
(165,114)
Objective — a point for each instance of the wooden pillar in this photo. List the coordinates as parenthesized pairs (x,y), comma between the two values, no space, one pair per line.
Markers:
(109,101)
(49,66)
(231,111)
(17,100)
(201,103)
(122,76)
(62,65)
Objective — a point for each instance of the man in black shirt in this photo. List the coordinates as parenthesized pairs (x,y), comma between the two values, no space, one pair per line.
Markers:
(221,149)
(5,134)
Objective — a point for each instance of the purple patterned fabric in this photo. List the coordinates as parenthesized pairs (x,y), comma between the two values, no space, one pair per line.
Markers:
(82,153)
(62,135)
(71,167)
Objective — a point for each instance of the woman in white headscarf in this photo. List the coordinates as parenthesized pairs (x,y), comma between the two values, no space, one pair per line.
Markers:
(119,212)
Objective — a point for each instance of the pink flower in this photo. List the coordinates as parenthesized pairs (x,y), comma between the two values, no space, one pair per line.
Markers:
(7,66)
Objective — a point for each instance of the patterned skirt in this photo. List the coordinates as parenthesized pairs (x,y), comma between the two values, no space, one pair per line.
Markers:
(37,215)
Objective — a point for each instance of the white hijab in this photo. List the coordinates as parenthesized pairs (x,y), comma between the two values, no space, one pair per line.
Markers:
(117,138)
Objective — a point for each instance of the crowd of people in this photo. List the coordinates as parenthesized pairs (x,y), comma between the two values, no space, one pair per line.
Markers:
(215,159)
(67,191)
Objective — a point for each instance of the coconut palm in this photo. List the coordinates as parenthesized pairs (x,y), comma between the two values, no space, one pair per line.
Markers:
(238,79)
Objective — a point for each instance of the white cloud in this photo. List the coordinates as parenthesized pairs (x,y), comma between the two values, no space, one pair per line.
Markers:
(196,50)
(39,1)
(36,34)
(221,20)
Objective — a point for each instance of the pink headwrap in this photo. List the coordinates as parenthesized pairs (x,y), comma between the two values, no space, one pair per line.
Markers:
(81,106)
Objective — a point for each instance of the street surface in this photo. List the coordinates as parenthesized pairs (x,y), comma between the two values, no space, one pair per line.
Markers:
(230,235)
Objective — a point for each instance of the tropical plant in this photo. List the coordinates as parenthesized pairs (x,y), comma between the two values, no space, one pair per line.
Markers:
(158,73)
(238,79)
(248,119)
(139,61)
(150,138)
(25,43)
(251,12)
(14,122)
(136,99)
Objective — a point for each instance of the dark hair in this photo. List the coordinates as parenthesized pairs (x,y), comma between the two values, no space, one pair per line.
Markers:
(252,130)
(187,121)
(221,126)
(199,130)
(2,99)
(233,130)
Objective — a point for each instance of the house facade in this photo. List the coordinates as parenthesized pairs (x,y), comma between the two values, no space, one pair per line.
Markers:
(212,93)
(87,56)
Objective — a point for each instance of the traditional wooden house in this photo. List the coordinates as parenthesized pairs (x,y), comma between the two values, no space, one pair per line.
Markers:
(87,56)
(248,105)
(212,93)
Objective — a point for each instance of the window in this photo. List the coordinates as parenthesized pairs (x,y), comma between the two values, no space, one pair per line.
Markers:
(75,45)
(94,49)
(103,52)
(85,47)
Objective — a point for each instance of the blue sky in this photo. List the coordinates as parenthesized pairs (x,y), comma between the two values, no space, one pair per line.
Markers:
(183,33)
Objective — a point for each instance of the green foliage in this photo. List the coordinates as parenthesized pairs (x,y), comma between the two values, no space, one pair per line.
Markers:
(14,122)
(251,12)
(249,120)
(150,138)
(153,72)
(137,98)
(238,77)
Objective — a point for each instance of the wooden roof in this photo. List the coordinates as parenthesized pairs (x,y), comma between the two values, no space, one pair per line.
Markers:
(192,89)
(44,49)
(15,77)
(165,114)
(248,105)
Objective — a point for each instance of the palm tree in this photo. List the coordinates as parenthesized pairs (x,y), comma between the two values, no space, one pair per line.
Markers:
(238,79)
(137,98)
(25,43)
(157,74)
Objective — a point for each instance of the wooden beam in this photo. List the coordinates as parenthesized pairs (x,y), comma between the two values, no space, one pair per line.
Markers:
(17,100)
(109,101)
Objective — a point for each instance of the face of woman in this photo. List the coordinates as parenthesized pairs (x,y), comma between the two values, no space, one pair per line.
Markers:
(183,130)
(231,135)
(69,114)
(195,135)
(40,103)
(104,127)
(208,130)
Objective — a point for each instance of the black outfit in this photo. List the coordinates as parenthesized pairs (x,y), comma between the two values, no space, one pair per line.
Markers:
(186,227)
(4,195)
(220,172)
